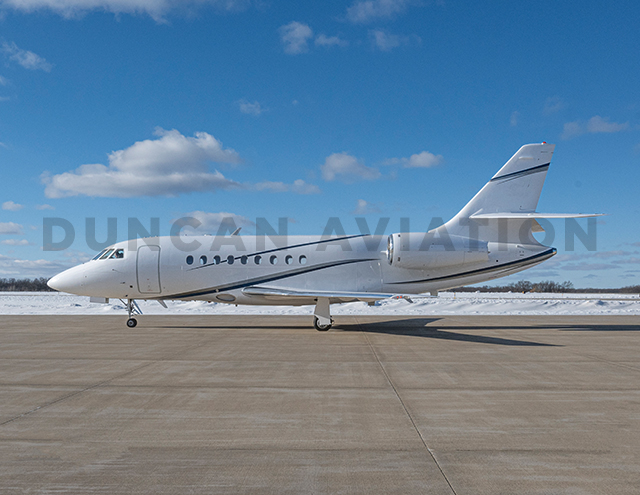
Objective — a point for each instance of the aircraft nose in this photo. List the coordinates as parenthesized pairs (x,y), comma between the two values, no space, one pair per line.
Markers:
(68,281)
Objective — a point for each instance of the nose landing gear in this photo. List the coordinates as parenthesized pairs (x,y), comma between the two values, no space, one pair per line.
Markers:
(132,309)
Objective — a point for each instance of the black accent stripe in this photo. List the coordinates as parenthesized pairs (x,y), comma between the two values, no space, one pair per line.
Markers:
(527,261)
(259,253)
(522,173)
(264,279)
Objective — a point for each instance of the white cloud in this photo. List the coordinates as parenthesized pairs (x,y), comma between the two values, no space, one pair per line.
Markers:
(324,40)
(365,11)
(210,222)
(44,207)
(552,105)
(423,160)
(74,257)
(347,168)
(154,8)
(11,206)
(417,160)
(295,37)
(30,268)
(170,165)
(25,58)
(271,186)
(513,121)
(365,208)
(15,242)
(598,124)
(386,42)
(572,129)
(299,187)
(250,108)
(3,81)
(594,125)
(10,228)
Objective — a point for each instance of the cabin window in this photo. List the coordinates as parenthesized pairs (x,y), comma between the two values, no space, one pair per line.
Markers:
(203,260)
(243,260)
(216,260)
(106,255)
(189,260)
(230,259)
(302,259)
(289,259)
(273,260)
(118,254)
(257,260)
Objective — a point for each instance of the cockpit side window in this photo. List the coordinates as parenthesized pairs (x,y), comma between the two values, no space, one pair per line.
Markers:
(106,255)
(118,254)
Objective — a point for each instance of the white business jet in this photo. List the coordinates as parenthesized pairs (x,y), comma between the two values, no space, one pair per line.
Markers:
(490,237)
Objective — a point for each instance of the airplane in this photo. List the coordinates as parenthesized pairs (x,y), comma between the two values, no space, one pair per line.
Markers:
(490,237)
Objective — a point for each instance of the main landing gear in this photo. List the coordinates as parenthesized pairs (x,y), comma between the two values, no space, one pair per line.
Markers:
(319,326)
(132,309)
(322,316)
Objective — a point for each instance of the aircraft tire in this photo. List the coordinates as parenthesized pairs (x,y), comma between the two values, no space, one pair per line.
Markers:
(320,328)
(132,322)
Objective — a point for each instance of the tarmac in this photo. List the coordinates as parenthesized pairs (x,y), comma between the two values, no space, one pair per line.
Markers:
(267,405)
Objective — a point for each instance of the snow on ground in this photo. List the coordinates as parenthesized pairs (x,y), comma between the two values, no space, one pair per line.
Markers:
(53,303)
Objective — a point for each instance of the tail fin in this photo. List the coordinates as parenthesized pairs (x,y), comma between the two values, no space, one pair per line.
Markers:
(514,189)
(517,185)
(504,209)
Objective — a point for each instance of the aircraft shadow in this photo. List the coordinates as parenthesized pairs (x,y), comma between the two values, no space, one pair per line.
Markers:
(418,327)
(233,327)
(599,328)
(561,328)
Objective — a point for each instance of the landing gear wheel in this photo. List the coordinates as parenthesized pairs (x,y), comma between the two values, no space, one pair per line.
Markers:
(319,327)
(132,322)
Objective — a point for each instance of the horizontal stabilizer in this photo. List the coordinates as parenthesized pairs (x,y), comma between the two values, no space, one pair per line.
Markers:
(532,215)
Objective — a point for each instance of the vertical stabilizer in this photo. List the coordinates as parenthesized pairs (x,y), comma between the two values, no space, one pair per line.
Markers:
(515,188)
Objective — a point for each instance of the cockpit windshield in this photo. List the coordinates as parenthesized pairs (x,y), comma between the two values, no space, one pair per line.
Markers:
(99,254)
(110,253)
(118,254)
(106,254)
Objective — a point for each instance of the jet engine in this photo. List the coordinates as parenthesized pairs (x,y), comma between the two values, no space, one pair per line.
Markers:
(425,250)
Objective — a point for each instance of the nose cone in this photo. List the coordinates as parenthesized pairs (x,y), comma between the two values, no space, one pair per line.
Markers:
(70,280)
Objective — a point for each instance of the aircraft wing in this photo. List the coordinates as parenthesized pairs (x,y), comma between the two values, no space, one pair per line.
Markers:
(287,295)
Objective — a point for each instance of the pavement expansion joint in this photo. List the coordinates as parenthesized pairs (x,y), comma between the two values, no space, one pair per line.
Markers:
(406,410)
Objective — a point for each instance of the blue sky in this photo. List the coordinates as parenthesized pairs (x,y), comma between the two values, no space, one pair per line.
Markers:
(311,110)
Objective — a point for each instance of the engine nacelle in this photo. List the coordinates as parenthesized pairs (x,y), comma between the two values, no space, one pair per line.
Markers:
(425,250)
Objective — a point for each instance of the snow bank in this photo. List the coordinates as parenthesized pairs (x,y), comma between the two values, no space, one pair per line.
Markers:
(53,303)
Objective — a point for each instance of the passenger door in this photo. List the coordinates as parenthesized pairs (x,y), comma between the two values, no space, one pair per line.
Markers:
(148,269)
